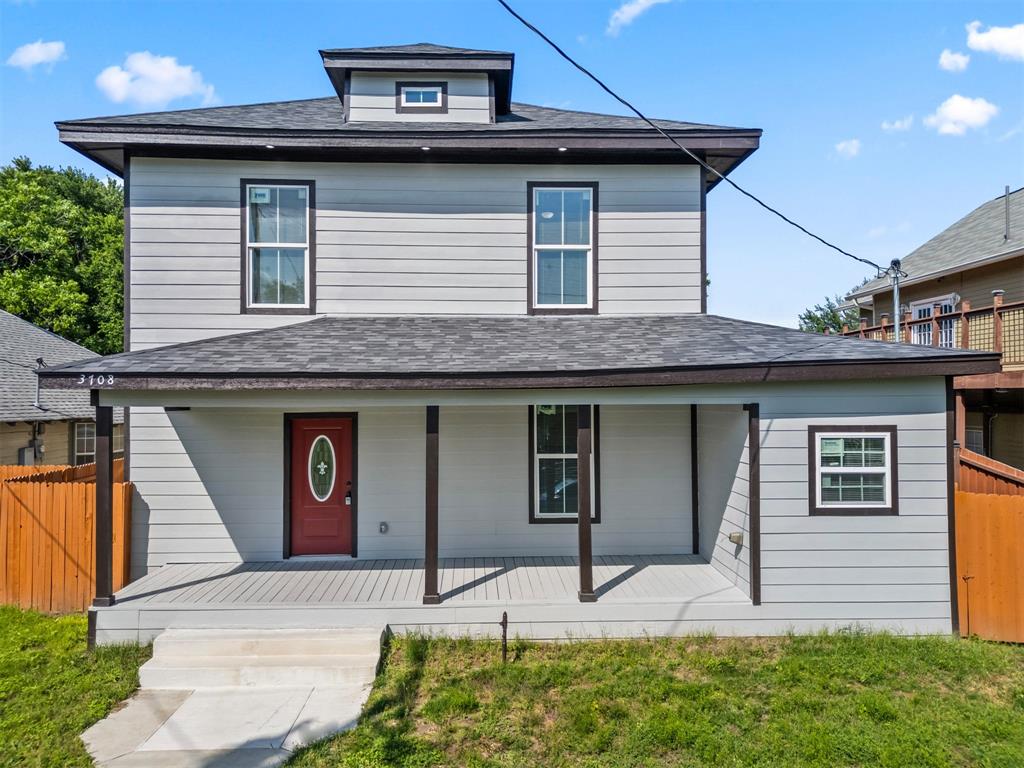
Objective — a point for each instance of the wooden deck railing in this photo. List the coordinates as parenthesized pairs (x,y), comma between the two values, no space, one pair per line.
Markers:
(996,328)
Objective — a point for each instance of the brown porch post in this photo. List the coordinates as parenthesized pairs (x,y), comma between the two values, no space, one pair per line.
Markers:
(104,503)
(960,422)
(694,482)
(430,592)
(583,484)
(754,468)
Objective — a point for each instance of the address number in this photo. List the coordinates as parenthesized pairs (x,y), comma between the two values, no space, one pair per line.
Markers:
(96,379)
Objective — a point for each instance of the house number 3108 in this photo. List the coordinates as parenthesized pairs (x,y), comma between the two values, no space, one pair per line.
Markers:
(95,379)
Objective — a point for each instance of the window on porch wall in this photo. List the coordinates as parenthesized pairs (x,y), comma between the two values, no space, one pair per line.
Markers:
(555,464)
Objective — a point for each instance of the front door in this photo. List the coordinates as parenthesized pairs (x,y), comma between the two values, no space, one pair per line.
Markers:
(321,486)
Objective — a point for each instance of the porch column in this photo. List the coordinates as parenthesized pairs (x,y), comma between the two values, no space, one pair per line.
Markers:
(583,483)
(430,592)
(104,503)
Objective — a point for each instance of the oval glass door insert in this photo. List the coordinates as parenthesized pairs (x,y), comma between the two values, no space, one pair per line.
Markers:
(321,468)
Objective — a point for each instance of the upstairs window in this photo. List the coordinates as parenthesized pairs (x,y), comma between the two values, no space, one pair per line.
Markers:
(921,333)
(563,248)
(428,98)
(853,471)
(278,246)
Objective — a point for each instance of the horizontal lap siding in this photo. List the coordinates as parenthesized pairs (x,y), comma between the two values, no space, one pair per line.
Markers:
(394,238)
(372,97)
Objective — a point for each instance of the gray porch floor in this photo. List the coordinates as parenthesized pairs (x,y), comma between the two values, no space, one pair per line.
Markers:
(326,583)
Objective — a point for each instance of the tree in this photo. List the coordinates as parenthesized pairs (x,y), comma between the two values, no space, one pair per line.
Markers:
(828,315)
(62,251)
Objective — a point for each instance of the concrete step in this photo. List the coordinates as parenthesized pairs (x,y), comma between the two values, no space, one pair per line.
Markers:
(356,641)
(320,670)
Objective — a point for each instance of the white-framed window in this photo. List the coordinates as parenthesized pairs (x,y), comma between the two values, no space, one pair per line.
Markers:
(921,333)
(83,437)
(853,470)
(563,253)
(117,441)
(554,465)
(277,247)
(421,95)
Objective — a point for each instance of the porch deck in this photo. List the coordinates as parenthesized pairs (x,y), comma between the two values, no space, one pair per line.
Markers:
(539,594)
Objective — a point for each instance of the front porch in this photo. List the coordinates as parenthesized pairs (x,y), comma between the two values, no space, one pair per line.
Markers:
(539,594)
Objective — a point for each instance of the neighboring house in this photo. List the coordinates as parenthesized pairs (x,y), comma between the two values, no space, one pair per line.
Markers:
(59,427)
(965,289)
(414,327)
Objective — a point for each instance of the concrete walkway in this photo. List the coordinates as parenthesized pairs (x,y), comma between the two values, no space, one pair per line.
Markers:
(289,696)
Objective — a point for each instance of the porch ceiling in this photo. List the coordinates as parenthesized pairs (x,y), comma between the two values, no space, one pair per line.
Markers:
(478,352)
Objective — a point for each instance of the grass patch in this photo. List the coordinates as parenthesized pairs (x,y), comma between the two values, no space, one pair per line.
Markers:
(846,699)
(52,688)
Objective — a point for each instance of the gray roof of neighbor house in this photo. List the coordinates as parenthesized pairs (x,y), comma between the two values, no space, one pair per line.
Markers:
(23,343)
(975,240)
(433,348)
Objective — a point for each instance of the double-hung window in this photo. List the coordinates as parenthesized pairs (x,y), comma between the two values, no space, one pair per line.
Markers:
(279,265)
(853,470)
(83,448)
(921,333)
(554,496)
(563,248)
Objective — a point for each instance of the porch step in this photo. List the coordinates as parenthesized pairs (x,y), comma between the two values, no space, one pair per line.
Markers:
(195,659)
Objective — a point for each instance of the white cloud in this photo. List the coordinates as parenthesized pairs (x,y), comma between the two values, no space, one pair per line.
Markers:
(953,62)
(153,81)
(1005,42)
(31,55)
(958,113)
(627,13)
(897,126)
(848,148)
(884,229)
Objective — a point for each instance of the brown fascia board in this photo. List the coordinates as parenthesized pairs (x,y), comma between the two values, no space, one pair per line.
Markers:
(746,374)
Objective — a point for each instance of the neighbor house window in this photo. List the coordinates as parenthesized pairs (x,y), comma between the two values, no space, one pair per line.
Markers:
(921,333)
(431,98)
(853,470)
(83,448)
(279,265)
(563,248)
(554,486)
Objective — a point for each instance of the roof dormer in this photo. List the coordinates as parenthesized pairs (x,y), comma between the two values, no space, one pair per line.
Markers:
(420,83)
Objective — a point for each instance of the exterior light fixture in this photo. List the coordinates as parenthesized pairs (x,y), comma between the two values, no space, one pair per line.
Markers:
(562,149)
(425,149)
(270,146)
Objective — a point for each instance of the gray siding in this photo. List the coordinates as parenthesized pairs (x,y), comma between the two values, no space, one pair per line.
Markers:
(397,238)
(372,97)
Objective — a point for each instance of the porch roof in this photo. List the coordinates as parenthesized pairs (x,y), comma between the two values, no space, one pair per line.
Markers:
(475,352)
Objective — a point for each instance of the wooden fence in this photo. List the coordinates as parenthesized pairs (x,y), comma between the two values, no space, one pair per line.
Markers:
(47,542)
(60,473)
(980,474)
(990,565)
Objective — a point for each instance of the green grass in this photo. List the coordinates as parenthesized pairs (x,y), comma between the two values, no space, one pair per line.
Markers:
(52,688)
(847,699)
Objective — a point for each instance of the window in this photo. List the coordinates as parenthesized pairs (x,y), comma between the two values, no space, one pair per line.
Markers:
(975,439)
(853,471)
(425,98)
(83,448)
(921,333)
(553,465)
(117,441)
(563,248)
(278,246)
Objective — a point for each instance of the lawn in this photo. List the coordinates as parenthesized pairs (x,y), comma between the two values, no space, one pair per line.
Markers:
(830,700)
(52,688)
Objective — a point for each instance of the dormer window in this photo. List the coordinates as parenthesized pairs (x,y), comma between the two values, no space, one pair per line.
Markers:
(423,98)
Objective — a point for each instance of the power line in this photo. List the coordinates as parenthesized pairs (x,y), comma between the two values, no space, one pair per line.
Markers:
(693,156)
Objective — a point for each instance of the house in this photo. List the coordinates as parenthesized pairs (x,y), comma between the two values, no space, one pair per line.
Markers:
(964,289)
(53,427)
(385,345)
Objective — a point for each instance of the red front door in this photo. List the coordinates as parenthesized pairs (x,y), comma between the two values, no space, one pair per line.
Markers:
(321,486)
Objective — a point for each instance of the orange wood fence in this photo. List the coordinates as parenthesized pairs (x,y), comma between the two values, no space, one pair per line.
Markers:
(980,474)
(60,473)
(47,543)
(990,565)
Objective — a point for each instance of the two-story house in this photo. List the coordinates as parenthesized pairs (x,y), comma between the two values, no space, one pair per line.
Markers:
(964,289)
(415,354)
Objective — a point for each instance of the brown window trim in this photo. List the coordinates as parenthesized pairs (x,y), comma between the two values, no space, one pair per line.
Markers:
(406,110)
(530,266)
(595,519)
(244,235)
(812,473)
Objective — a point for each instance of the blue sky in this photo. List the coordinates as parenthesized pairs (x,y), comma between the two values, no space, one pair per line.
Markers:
(820,78)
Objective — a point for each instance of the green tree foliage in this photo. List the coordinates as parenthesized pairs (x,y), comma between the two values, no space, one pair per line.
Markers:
(828,315)
(61,252)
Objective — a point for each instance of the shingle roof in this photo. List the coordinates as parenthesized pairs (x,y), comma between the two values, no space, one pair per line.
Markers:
(416,49)
(325,114)
(23,343)
(977,236)
(435,345)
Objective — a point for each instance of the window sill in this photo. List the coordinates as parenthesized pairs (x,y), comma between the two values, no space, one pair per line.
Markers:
(854,512)
(562,310)
(278,311)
